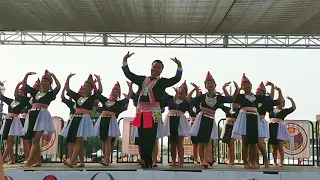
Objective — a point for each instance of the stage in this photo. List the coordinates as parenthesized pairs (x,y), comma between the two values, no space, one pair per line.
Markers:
(94,171)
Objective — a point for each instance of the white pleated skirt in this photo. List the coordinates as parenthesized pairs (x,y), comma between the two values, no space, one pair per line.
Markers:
(240,126)
(196,127)
(85,128)
(263,129)
(63,131)
(183,127)
(15,128)
(114,130)
(283,133)
(43,123)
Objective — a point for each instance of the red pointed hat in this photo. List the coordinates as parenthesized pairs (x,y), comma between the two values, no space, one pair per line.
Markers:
(47,76)
(117,88)
(184,86)
(80,90)
(37,83)
(244,79)
(261,87)
(90,80)
(209,77)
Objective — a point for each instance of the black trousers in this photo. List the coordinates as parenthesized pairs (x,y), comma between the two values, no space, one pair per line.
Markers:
(147,138)
(252,129)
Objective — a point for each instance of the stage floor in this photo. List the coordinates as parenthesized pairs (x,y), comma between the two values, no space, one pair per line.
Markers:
(161,167)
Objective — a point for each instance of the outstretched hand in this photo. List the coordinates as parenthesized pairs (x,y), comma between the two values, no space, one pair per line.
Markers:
(97,78)
(226,84)
(127,56)
(175,60)
(236,85)
(71,74)
(31,73)
(129,83)
(269,83)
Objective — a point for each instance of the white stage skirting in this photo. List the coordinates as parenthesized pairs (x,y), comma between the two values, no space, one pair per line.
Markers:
(159,175)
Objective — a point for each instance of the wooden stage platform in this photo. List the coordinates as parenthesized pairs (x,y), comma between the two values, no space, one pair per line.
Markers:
(161,167)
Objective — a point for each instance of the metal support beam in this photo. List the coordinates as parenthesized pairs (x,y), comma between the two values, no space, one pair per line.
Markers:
(159,40)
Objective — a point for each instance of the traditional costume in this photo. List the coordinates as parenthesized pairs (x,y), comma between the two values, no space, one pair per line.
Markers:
(72,109)
(149,113)
(25,112)
(231,116)
(263,108)
(12,125)
(81,125)
(39,118)
(204,126)
(278,130)
(176,123)
(107,125)
(247,123)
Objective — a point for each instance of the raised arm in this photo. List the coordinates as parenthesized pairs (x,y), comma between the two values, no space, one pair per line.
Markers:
(63,92)
(100,88)
(293,104)
(174,80)
(131,76)
(226,93)
(236,92)
(196,88)
(280,96)
(58,85)
(272,89)
(66,86)
(130,92)
(16,91)
(25,79)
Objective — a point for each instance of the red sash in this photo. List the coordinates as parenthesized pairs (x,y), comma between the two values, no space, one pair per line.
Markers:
(146,110)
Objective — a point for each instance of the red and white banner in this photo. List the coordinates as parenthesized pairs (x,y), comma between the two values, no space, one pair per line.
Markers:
(49,145)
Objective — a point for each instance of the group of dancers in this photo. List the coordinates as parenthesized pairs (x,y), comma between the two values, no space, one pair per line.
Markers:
(29,118)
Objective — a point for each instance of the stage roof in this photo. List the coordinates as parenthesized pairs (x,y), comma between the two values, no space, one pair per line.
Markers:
(163,16)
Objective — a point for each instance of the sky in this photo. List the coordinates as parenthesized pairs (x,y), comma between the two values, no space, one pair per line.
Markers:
(294,71)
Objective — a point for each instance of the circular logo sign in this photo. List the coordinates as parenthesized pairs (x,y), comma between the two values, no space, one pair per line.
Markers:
(298,142)
(50,177)
(47,141)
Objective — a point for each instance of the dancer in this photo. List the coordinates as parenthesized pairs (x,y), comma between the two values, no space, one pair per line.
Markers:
(80,126)
(149,114)
(278,131)
(72,109)
(226,134)
(106,126)
(176,124)
(135,135)
(27,143)
(12,126)
(205,127)
(263,124)
(40,119)
(248,113)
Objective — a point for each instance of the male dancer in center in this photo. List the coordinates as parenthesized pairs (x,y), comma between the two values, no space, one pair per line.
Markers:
(151,89)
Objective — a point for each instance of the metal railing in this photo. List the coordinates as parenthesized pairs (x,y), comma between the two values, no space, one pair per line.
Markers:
(93,154)
(222,153)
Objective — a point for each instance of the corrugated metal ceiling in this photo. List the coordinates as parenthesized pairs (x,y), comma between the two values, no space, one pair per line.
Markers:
(163,16)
